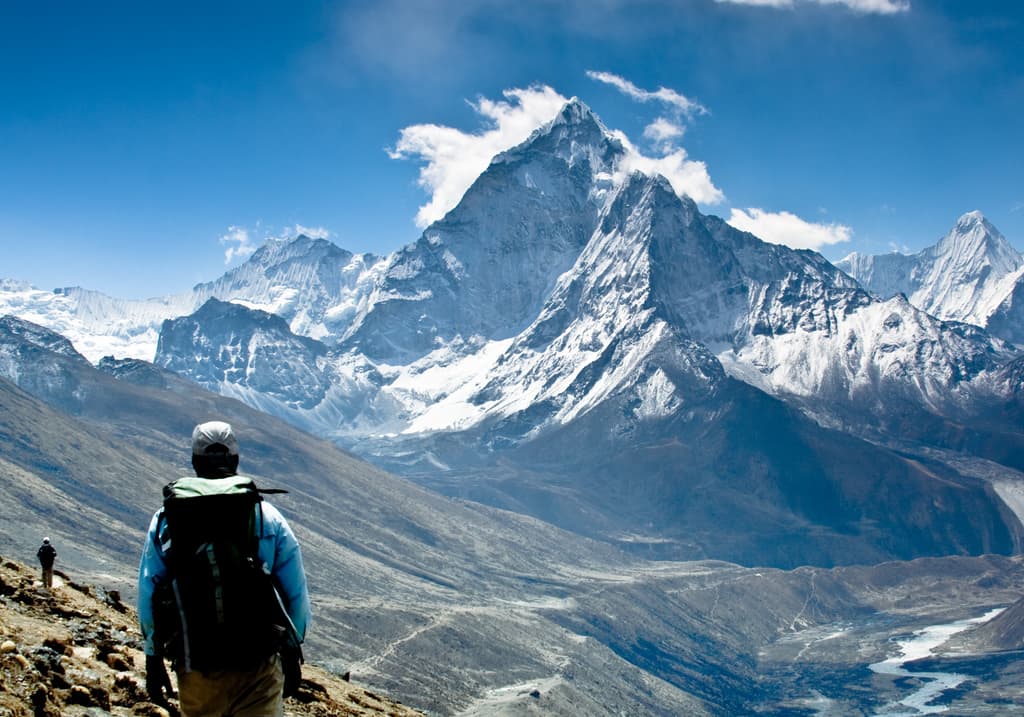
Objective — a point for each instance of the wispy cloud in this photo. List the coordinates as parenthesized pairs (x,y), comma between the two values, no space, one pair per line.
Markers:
(663,130)
(687,176)
(788,229)
(242,242)
(664,95)
(454,159)
(311,232)
(880,7)
(239,244)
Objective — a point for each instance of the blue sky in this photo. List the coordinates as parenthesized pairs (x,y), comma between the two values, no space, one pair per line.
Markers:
(145,147)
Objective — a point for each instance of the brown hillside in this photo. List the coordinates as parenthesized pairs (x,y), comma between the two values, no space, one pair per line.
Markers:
(76,648)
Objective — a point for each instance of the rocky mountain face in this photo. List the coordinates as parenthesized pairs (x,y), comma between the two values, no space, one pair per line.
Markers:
(252,352)
(311,283)
(315,286)
(972,274)
(593,350)
(484,270)
(587,347)
(1005,632)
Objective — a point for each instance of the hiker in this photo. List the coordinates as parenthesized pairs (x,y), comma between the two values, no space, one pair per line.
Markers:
(237,651)
(47,554)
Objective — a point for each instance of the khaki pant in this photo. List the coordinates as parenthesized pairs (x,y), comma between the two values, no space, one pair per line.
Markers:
(256,693)
(48,577)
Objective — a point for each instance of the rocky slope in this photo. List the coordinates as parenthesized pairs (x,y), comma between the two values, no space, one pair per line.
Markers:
(75,650)
(454,607)
(791,477)
(398,575)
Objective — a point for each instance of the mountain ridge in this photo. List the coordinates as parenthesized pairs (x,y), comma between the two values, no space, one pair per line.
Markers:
(559,288)
(542,619)
(969,275)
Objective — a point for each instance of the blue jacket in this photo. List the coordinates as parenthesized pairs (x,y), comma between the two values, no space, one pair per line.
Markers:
(278,551)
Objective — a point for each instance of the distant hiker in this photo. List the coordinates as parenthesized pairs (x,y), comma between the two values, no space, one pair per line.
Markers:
(47,554)
(222,590)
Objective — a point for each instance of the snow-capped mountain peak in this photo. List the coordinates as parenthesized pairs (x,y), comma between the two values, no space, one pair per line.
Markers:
(974,244)
(575,135)
(314,285)
(963,277)
(605,335)
(969,275)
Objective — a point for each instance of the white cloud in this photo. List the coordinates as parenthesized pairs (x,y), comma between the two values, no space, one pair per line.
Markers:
(687,177)
(665,95)
(662,130)
(454,159)
(311,232)
(239,244)
(881,7)
(759,3)
(788,229)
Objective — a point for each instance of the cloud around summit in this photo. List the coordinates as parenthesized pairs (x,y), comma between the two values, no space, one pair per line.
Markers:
(239,244)
(453,158)
(687,177)
(788,229)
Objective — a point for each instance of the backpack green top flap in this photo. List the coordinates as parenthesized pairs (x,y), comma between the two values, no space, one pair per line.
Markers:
(211,510)
(194,487)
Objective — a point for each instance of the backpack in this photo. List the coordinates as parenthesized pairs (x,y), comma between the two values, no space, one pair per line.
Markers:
(46,554)
(219,610)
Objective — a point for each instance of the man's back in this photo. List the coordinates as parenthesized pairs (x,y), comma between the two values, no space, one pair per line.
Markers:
(46,554)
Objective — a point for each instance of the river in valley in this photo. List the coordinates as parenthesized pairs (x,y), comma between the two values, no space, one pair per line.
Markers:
(931,684)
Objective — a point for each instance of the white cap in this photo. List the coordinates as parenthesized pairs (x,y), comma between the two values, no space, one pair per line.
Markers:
(214,433)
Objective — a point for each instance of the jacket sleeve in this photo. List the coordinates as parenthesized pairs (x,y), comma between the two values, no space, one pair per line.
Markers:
(152,569)
(279,551)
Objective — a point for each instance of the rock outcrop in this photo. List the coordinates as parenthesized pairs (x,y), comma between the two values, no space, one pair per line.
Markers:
(75,650)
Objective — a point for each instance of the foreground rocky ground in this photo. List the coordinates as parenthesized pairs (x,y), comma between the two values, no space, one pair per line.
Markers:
(75,650)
